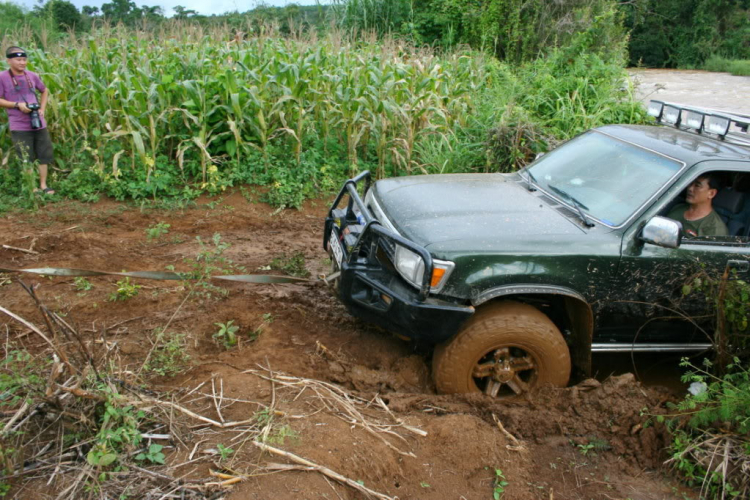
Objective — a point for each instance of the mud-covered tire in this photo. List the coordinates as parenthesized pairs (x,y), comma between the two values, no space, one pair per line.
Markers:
(504,340)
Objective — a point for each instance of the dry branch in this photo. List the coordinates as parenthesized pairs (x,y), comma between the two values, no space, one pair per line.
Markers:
(8,247)
(517,444)
(37,331)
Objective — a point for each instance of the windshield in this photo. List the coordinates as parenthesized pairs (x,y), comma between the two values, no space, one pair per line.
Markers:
(606,178)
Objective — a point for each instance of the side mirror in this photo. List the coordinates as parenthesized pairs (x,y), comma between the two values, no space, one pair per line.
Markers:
(662,232)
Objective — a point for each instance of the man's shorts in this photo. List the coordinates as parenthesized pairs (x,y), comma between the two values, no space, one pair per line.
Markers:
(33,145)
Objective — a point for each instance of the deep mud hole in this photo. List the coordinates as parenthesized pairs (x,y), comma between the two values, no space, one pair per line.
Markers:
(313,336)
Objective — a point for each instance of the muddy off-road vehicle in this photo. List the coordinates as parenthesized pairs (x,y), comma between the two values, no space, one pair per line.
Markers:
(517,278)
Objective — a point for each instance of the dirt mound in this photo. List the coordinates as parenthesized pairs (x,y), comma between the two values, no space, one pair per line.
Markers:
(586,441)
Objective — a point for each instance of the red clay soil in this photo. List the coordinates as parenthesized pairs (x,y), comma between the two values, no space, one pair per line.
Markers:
(583,442)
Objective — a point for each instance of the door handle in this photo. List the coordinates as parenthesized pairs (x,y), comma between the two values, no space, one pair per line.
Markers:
(742,266)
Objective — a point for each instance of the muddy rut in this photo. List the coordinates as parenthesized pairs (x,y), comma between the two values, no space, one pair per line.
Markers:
(586,441)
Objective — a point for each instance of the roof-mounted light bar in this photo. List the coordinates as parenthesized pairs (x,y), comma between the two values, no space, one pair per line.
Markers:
(671,114)
(701,120)
(655,108)
(718,125)
(692,119)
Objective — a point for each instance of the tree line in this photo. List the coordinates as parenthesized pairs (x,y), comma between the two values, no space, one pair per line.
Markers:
(662,33)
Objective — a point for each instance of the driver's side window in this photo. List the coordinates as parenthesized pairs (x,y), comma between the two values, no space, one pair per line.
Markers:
(715,207)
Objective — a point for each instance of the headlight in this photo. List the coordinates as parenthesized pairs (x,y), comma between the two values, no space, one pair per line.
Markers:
(411,267)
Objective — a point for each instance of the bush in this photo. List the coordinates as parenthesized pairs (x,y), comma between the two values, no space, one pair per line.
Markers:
(711,432)
(738,67)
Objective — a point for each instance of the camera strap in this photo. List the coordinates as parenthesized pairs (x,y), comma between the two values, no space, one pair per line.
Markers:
(18,87)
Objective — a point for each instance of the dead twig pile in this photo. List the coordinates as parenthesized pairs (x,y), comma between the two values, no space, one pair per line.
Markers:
(72,422)
(726,460)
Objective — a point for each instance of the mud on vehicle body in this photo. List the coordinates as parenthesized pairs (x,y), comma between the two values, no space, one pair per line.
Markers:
(517,278)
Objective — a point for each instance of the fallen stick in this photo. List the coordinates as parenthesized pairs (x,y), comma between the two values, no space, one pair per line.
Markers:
(228,482)
(194,415)
(36,330)
(308,465)
(21,411)
(8,247)
(518,446)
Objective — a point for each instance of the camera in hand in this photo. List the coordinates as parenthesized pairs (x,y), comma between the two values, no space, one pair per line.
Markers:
(36,120)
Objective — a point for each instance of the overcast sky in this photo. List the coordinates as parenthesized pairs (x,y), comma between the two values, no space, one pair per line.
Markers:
(206,7)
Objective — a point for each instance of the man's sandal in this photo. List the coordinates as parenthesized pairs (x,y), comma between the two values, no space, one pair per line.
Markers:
(48,190)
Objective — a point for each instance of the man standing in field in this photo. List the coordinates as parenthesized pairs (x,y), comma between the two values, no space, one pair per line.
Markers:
(18,94)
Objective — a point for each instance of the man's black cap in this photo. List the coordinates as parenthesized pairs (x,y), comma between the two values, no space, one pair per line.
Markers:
(15,52)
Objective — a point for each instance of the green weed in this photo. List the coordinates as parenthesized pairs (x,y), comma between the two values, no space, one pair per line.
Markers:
(209,261)
(81,284)
(720,410)
(282,434)
(8,458)
(169,355)
(125,290)
(118,431)
(227,333)
(586,448)
(266,320)
(21,378)
(728,299)
(224,452)
(157,230)
(498,487)
(293,265)
(263,417)
(153,454)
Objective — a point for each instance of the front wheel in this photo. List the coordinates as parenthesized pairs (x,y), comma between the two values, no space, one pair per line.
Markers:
(505,350)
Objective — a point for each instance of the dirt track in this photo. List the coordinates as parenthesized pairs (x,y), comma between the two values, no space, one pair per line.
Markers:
(582,442)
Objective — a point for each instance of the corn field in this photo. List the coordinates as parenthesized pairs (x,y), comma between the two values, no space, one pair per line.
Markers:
(216,97)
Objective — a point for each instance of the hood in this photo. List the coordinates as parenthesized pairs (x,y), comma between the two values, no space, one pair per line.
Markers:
(471,211)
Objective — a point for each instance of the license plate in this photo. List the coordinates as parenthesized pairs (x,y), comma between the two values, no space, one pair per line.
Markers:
(336,249)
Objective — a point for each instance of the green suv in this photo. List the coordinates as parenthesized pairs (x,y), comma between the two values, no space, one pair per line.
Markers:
(517,278)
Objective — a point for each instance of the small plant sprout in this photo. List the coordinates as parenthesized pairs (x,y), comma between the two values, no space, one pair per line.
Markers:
(227,333)
(125,290)
(499,485)
(169,354)
(157,230)
(224,452)
(293,265)
(153,454)
(586,448)
(424,484)
(267,320)
(209,261)
(81,284)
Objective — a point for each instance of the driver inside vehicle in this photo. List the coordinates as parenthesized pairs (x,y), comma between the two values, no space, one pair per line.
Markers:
(697,215)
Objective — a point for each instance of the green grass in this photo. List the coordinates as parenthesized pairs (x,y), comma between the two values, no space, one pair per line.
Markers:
(738,67)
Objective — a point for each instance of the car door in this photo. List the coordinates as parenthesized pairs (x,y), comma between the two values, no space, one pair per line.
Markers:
(650,299)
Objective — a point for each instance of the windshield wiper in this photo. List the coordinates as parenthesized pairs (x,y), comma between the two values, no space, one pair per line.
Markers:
(579,206)
(531,180)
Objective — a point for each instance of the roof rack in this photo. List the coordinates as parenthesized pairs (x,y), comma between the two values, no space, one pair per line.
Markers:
(712,122)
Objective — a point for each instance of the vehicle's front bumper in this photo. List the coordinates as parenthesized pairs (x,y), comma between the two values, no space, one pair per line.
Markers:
(370,286)
(383,299)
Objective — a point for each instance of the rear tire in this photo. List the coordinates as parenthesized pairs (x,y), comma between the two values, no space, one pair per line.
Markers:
(505,350)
